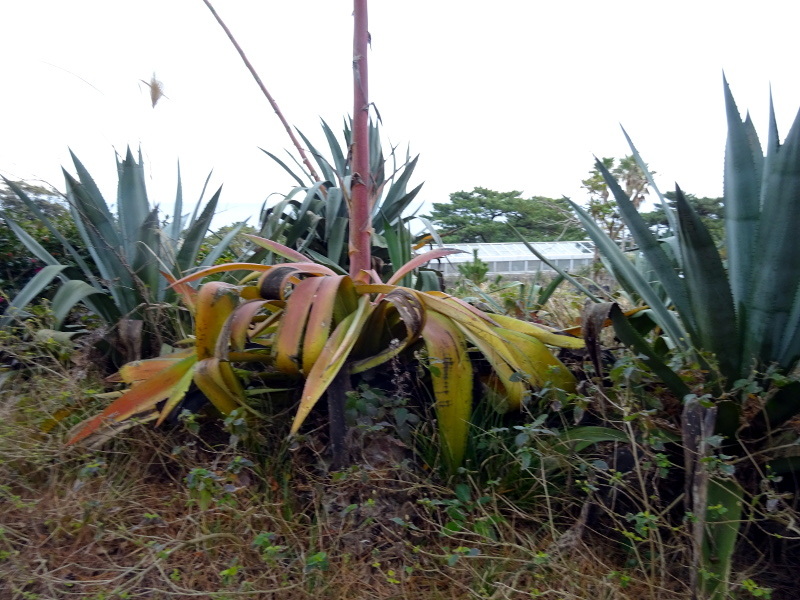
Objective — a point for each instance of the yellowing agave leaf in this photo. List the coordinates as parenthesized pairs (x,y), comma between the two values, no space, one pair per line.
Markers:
(411,312)
(451,376)
(420,260)
(287,347)
(238,324)
(459,312)
(496,351)
(178,392)
(331,359)
(219,383)
(543,334)
(140,370)
(537,361)
(320,319)
(139,398)
(215,303)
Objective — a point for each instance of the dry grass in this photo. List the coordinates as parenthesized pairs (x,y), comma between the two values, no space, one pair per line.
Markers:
(131,520)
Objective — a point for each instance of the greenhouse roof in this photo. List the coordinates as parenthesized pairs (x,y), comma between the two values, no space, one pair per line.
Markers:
(518,251)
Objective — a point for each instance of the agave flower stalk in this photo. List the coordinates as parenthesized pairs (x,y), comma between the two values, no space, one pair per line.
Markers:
(361,186)
(264,91)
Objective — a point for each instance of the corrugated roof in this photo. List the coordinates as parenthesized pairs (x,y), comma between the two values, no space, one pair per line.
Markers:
(518,251)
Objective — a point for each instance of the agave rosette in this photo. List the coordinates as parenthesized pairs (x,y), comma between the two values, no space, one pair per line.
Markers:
(306,322)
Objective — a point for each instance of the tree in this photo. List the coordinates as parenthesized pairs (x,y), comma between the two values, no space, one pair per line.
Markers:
(483,215)
(710,210)
(601,205)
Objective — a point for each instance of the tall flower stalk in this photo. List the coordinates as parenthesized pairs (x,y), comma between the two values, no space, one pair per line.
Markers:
(361,185)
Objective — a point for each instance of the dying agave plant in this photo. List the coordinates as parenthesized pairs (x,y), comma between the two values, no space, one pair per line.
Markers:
(315,327)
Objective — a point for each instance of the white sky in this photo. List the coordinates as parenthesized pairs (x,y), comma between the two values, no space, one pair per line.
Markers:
(508,94)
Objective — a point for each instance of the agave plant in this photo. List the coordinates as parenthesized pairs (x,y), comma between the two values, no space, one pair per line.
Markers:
(737,318)
(313,218)
(307,322)
(129,249)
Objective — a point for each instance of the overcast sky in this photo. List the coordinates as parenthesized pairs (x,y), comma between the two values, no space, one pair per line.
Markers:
(508,94)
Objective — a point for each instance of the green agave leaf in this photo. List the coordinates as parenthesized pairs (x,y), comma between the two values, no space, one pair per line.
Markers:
(337,237)
(561,272)
(546,292)
(774,285)
(72,292)
(194,236)
(305,218)
(92,191)
(742,191)
(176,225)
(431,228)
(98,230)
(286,168)
(339,161)
(629,336)
(709,291)
(144,260)
(671,218)
(397,200)
(398,244)
(722,531)
(324,260)
(221,246)
(100,305)
(133,207)
(428,281)
(198,204)
(652,249)
(324,165)
(333,211)
(625,270)
(34,246)
(28,293)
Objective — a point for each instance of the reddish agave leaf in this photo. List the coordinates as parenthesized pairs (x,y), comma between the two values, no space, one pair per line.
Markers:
(320,320)
(140,370)
(287,348)
(186,292)
(420,260)
(139,398)
(277,248)
(331,360)
(305,267)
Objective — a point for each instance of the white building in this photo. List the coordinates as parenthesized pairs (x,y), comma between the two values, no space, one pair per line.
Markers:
(514,258)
